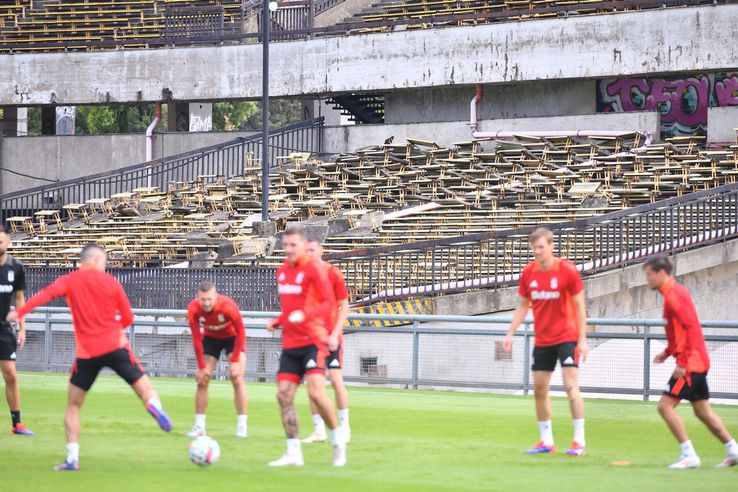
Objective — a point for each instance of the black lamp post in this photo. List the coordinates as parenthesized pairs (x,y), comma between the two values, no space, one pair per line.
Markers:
(266,10)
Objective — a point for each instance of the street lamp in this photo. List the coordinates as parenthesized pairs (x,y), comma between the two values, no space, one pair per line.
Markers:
(265,28)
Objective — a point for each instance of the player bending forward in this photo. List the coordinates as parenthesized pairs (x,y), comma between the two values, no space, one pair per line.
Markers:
(306,298)
(689,380)
(334,362)
(554,288)
(216,326)
(100,313)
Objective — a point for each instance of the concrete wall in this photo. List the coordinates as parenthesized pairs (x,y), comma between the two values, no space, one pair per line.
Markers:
(67,157)
(584,47)
(721,124)
(349,138)
(710,273)
(522,100)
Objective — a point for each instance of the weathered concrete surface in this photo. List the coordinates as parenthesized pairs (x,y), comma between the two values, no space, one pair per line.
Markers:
(710,273)
(519,100)
(348,138)
(629,43)
(68,157)
(721,124)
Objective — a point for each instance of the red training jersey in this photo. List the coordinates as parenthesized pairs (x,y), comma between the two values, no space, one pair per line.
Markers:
(551,294)
(304,286)
(683,329)
(100,309)
(224,321)
(340,293)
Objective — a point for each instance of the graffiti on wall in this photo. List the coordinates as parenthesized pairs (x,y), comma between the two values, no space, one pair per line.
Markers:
(682,102)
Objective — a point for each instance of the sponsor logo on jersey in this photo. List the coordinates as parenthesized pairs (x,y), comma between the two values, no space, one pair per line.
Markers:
(311,364)
(544,295)
(554,283)
(11,275)
(534,285)
(290,289)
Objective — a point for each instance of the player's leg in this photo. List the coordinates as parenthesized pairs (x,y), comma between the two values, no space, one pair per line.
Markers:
(667,410)
(201,397)
(72,426)
(240,397)
(339,387)
(319,434)
(287,385)
(316,390)
(704,412)
(125,364)
(570,375)
(12,395)
(544,363)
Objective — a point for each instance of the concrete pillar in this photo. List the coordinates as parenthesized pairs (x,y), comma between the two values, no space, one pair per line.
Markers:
(190,117)
(14,121)
(315,108)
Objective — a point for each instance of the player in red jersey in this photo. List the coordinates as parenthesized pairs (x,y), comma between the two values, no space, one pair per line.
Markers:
(306,298)
(100,313)
(217,326)
(553,288)
(335,322)
(689,380)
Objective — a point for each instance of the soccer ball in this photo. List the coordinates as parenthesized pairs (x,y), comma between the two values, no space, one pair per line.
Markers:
(204,451)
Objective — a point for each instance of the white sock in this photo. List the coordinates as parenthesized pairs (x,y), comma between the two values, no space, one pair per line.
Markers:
(200,420)
(546,430)
(579,431)
(343,417)
(688,449)
(318,424)
(155,402)
(242,421)
(294,448)
(72,451)
(336,436)
(732,447)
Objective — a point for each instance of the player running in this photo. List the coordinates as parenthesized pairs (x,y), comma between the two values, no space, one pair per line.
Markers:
(100,313)
(216,326)
(306,298)
(335,322)
(689,380)
(554,288)
(12,291)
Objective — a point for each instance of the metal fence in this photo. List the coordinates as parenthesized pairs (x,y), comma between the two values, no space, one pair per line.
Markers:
(428,352)
(495,259)
(227,159)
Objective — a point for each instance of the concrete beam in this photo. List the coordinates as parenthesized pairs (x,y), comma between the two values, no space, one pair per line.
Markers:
(628,43)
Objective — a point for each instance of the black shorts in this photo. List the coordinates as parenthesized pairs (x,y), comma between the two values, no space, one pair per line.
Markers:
(214,346)
(692,388)
(295,363)
(122,361)
(8,344)
(335,359)
(545,358)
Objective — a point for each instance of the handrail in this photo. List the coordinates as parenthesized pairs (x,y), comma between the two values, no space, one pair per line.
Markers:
(345,28)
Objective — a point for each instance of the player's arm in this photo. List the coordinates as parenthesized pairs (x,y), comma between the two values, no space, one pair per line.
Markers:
(582,324)
(681,310)
(521,311)
(196,338)
(124,308)
(19,299)
(344,309)
(44,296)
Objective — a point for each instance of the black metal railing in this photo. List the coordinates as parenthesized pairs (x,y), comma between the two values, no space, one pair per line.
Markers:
(184,23)
(495,259)
(320,6)
(253,288)
(227,159)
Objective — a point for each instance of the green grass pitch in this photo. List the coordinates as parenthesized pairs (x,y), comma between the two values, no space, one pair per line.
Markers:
(402,440)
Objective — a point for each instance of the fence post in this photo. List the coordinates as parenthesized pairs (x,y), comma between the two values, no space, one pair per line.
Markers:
(132,337)
(526,359)
(646,361)
(47,341)
(416,343)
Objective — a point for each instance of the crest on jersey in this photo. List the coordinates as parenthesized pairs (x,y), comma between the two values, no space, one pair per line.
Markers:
(202,319)
(281,277)
(534,284)
(299,277)
(554,283)
(11,275)
(221,318)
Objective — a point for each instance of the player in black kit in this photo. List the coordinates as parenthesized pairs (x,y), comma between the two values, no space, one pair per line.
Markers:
(12,291)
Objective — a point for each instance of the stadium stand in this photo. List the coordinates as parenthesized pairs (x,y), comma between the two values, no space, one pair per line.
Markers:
(379,196)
